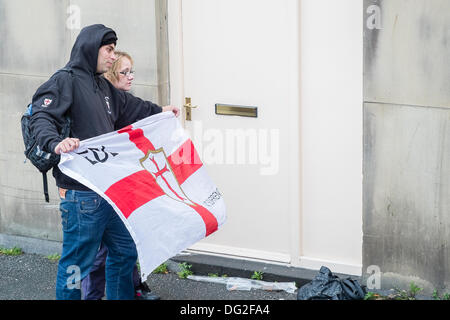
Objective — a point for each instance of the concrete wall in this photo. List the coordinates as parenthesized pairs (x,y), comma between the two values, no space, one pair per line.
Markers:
(37,37)
(406,220)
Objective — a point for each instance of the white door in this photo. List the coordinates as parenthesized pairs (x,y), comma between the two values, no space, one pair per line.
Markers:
(244,53)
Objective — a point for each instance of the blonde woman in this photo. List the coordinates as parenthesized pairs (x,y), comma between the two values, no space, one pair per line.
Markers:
(121,75)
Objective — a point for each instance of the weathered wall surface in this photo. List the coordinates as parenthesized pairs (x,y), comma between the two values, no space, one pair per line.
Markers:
(37,37)
(406,219)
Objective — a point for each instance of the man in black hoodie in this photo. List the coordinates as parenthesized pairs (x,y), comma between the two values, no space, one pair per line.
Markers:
(95,107)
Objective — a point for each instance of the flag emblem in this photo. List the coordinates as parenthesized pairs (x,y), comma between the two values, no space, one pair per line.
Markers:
(156,163)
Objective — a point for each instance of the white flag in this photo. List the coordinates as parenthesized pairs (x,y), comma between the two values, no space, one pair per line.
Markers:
(152,176)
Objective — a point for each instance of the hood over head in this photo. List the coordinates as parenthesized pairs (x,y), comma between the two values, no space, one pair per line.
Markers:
(84,53)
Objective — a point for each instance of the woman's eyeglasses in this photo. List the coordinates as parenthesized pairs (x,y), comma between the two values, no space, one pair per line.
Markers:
(127,73)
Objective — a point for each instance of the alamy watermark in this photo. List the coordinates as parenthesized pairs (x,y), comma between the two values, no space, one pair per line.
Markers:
(374,20)
(73,21)
(74,280)
(374,280)
(252,146)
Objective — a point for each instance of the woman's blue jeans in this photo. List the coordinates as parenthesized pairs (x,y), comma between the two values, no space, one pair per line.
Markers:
(87,220)
(93,286)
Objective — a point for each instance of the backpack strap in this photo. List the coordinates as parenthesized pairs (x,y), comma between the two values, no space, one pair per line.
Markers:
(44,178)
(66,69)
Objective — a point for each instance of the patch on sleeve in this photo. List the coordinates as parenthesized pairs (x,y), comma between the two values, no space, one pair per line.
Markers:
(47,102)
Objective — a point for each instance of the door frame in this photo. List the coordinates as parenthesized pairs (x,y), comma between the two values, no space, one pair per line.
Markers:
(176,62)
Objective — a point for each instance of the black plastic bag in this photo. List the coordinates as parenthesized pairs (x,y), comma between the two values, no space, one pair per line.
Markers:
(327,286)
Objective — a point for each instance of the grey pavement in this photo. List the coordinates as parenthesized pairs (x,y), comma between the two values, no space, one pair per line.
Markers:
(32,277)
(27,283)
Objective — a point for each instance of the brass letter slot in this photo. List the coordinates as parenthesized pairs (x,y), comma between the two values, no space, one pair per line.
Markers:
(230,110)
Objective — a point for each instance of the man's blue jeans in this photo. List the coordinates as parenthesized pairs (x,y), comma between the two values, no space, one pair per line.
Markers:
(87,220)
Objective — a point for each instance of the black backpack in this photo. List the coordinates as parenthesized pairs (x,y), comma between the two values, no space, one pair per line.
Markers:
(42,160)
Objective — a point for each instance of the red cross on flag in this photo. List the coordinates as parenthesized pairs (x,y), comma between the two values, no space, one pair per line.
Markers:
(152,176)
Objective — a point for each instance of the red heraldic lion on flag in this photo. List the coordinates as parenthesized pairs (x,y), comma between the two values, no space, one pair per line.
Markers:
(154,179)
